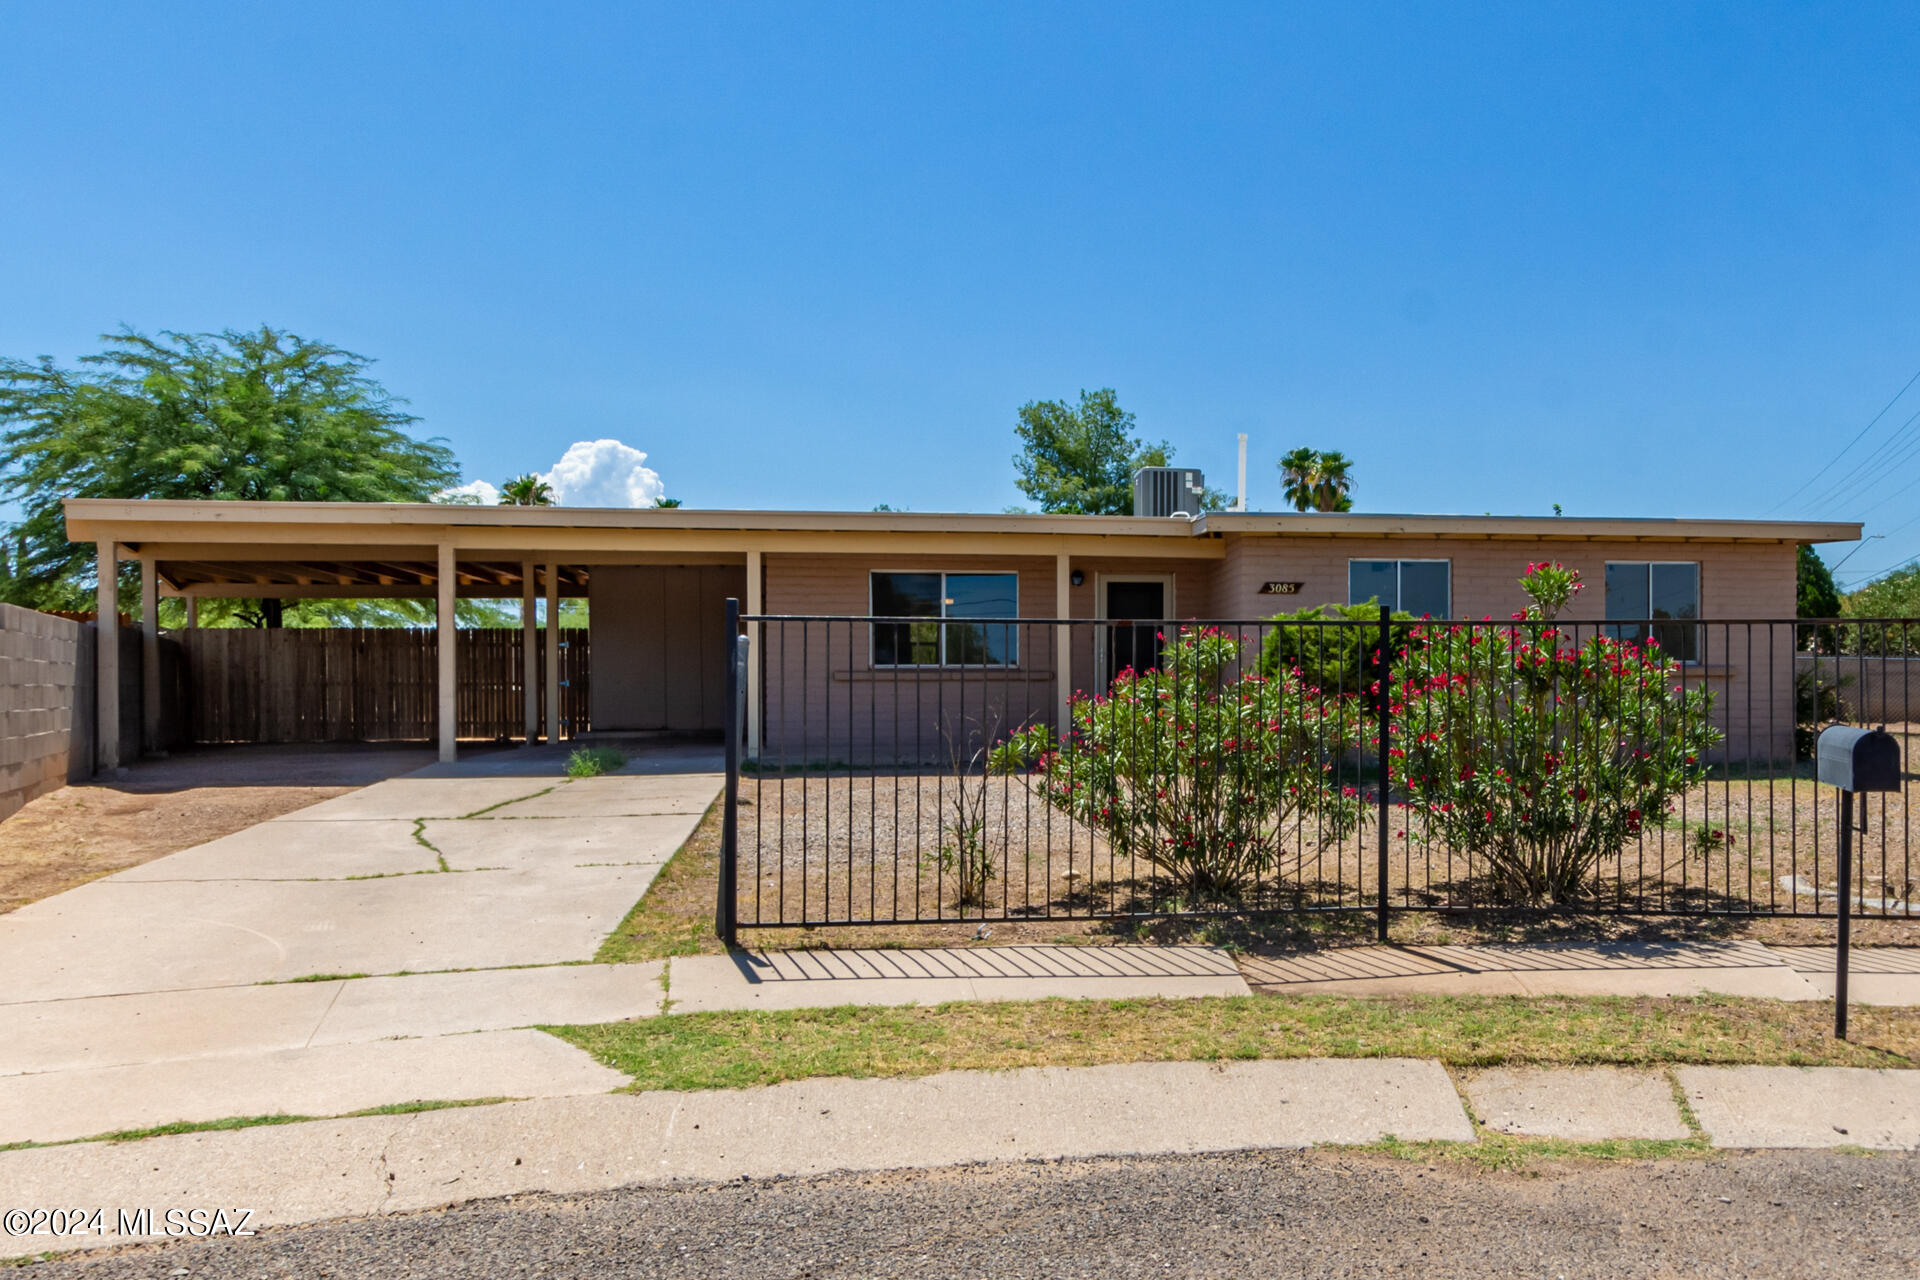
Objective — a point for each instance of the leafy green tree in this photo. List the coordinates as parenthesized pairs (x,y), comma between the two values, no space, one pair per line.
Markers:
(526,490)
(1315,481)
(261,415)
(1080,459)
(1894,595)
(1817,597)
(664,501)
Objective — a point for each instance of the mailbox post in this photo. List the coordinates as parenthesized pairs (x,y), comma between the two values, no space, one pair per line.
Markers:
(1856,761)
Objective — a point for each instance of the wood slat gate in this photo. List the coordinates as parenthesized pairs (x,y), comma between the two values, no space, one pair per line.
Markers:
(349,684)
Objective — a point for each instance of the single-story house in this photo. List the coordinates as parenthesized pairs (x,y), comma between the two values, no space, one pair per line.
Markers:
(656,581)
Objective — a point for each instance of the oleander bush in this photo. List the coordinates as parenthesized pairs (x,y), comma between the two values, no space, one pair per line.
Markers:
(1200,774)
(1534,754)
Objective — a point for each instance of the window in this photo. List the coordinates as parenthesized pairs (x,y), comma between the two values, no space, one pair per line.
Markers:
(1641,590)
(945,595)
(1423,588)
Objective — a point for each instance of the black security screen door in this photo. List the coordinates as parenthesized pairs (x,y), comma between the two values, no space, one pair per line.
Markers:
(1136,647)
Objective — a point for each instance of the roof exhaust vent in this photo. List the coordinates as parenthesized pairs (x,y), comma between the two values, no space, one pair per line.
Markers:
(1168,491)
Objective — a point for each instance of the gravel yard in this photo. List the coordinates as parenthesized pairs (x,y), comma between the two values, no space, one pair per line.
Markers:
(876,847)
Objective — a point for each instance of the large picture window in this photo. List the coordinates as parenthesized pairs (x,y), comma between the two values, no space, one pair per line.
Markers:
(942,599)
(1638,590)
(1423,588)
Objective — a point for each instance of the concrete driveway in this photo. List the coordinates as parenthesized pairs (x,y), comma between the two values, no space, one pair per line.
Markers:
(484,884)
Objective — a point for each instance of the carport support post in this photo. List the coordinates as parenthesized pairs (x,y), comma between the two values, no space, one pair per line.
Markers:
(106,699)
(553,652)
(529,654)
(444,586)
(149,655)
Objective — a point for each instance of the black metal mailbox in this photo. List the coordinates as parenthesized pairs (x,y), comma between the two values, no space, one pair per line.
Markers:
(1854,760)
(1858,759)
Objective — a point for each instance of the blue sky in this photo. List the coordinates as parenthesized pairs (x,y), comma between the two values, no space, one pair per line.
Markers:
(1636,260)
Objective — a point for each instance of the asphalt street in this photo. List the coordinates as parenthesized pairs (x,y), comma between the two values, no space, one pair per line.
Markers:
(1324,1213)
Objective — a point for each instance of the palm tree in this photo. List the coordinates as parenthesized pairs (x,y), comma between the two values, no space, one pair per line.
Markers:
(526,491)
(1316,481)
(1332,486)
(1299,471)
(664,501)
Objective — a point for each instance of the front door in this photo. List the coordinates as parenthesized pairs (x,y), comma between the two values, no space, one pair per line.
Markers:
(1134,645)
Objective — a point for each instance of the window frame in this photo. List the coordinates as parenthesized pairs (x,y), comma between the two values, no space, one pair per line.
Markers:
(941,622)
(1647,622)
(1398,592)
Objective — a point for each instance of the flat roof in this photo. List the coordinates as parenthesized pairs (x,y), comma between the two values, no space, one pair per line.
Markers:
(392,548)
(89,519)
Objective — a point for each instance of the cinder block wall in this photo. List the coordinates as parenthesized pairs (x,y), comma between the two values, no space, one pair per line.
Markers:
(46,701)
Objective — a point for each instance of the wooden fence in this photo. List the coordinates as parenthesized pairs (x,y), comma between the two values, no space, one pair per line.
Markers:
(350,684)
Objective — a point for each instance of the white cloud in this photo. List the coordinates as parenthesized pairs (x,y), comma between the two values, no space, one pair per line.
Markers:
(603,473)
(474,493)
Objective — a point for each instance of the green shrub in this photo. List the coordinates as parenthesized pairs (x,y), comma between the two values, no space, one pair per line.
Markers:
(1816,704)
(1198,776)
(591,762)
(1335,660)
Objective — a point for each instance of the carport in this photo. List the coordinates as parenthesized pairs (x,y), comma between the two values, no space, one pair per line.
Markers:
(656,591)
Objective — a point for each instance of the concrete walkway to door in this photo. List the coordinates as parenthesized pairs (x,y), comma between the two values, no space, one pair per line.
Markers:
(382,947)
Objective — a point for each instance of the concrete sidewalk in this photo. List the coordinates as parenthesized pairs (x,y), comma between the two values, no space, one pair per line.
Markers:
(824,979)
(1880,975)
(82,1067)
(383,1164)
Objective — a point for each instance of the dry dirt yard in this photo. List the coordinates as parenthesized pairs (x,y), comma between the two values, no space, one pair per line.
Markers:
(80,833)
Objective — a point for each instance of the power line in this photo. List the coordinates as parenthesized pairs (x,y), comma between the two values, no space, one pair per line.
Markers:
(1865,576)
(1891,443)
(1888,472)
(1808,483)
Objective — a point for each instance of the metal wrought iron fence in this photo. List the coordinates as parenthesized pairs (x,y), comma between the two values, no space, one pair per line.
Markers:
(910,770)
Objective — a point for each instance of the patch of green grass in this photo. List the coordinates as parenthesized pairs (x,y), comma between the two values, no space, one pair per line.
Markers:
(591,762)
(674,917)
(315,977)
(420,838)
(742,1049)
(1507,1153)
(254,1122)
(28,1259)
(501,804)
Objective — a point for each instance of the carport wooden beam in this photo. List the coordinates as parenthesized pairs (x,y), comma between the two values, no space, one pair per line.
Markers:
(529,660)
(448,656)
(149,656)
(106,751)
(553,652)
